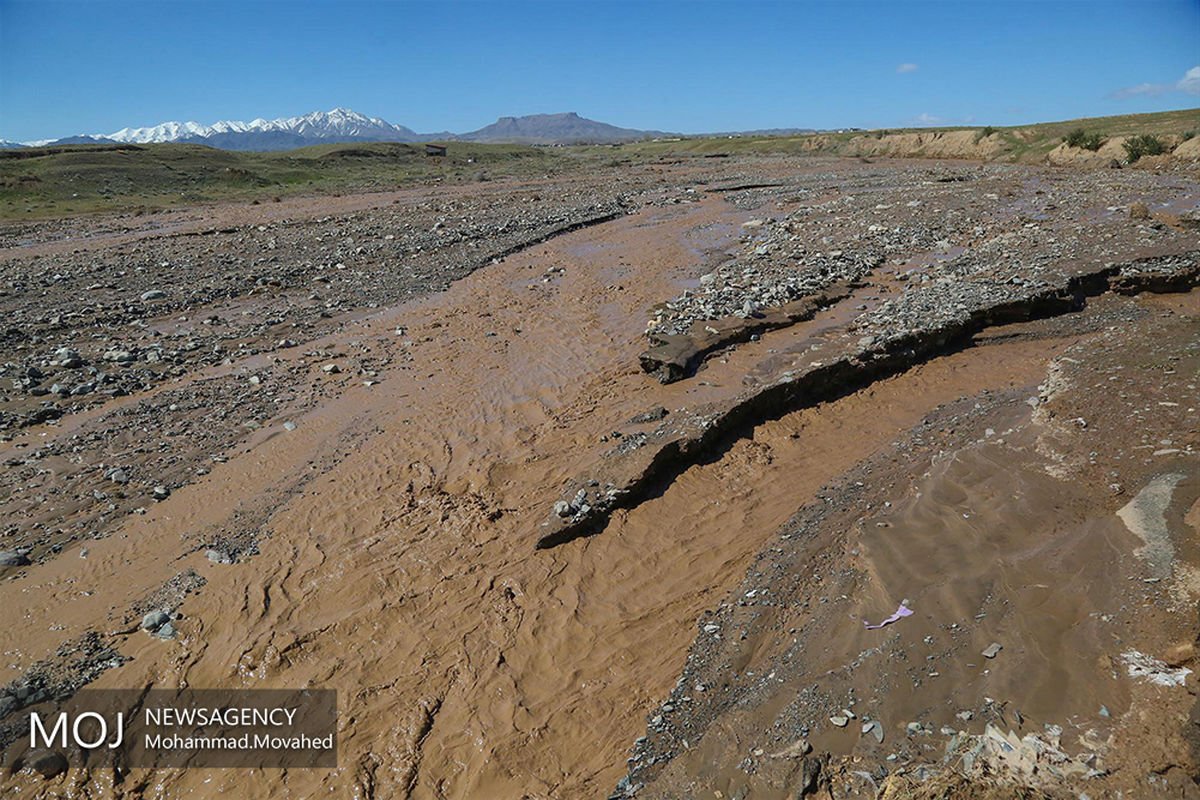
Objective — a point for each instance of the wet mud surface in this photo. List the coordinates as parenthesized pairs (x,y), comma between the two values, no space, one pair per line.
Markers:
(331,449)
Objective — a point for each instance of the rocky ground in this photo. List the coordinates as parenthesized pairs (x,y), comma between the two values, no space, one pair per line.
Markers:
(966,390)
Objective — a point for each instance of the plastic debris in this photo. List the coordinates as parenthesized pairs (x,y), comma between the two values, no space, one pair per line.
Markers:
(902,611)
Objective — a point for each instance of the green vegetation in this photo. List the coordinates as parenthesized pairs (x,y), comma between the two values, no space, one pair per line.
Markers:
(52,181)
(1081,138)
(1144,145)
(1028,144)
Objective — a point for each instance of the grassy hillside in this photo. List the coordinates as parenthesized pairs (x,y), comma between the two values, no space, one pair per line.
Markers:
(39,182)
(1022,143)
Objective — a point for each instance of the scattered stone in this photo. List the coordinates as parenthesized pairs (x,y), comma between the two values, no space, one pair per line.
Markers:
(331,369)
(992,649)
(117,475)
(874,729)
(154,294)
(562,508)
(841,722)
(160,493)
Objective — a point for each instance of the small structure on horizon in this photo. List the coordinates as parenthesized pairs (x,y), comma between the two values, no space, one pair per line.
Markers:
(435,149)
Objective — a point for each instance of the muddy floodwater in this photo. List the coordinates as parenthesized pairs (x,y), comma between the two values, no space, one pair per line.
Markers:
(406,446)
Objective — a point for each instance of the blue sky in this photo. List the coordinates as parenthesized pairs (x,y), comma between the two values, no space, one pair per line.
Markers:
(94,66)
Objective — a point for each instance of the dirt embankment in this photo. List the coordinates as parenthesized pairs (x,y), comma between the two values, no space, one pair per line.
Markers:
(1008,146)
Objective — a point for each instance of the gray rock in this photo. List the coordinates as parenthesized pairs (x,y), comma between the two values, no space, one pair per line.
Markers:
(60,389)
(117,475)
(160,493)
(155,619)
(562,508)
(154,294)
(218,556)
(11,558)
(992,649)
(653,415)
(49,764)
(8,704)
(166,631)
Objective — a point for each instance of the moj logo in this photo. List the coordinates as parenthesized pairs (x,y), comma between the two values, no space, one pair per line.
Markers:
(155,728)
(87,730)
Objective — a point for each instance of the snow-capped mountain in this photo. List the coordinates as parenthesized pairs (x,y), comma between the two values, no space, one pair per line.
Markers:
(344,125)
(338,125)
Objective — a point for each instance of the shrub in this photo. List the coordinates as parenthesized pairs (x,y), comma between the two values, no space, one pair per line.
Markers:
(1189,135)
(1081,138)
(983,133)
(1144,145)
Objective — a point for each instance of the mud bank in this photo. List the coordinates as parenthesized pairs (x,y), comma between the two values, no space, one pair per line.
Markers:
(676,357)
(634,470)
(1018,530)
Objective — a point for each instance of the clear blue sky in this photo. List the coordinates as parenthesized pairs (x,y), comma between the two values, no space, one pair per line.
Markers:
(94,66)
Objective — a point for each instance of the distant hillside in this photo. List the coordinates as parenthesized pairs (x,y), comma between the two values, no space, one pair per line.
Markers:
(568,128)
(343,126)
(1178,131)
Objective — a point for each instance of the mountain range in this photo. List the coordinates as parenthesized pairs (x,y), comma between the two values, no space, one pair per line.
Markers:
(344,125)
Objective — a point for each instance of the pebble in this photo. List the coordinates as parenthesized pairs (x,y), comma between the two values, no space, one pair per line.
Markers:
(218,556)
(154,294)
(992,649)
